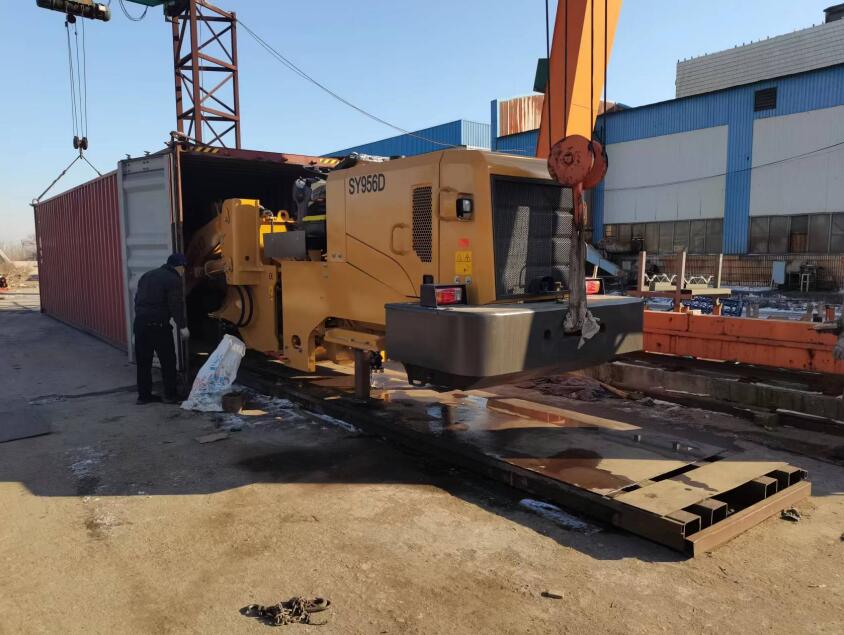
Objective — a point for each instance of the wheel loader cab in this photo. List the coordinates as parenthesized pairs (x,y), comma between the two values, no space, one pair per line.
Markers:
(494,226)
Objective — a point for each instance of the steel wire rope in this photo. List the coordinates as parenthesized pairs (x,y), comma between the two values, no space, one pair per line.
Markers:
(548,70)
(72,81)
(78,78)
(592,70)
(606,76)
(129,15)
(301,73)
(566,73)
(84,97)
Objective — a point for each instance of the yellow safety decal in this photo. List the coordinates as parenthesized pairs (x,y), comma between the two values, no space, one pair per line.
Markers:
(463,263)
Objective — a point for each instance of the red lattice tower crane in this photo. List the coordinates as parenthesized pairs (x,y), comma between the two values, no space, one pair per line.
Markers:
(204,63)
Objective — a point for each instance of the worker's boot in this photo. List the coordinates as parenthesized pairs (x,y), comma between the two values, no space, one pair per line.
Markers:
(170,400)
(148,399)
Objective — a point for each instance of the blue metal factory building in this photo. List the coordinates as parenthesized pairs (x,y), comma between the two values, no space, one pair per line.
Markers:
(748,159)
(460,133)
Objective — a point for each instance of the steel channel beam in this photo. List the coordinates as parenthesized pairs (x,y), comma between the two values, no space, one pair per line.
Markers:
(719,533)
(681,530)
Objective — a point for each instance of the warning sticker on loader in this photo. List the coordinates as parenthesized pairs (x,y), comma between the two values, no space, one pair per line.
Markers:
(463,263)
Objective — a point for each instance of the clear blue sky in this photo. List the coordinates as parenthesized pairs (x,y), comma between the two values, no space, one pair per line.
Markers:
(415,63)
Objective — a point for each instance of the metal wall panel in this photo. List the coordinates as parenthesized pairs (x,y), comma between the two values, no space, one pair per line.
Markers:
(789,175)
(523,144)
(670,177)
(79,262)
(474,134)
(520,114)
(455,133)
(732,107)
(147,211)
(797,52)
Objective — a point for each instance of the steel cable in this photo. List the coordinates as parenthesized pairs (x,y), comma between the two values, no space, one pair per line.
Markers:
(84,97)
(78,77)
(548,69)
(72,81)
(592,70)
(130,16)
(298,71)
(606,64)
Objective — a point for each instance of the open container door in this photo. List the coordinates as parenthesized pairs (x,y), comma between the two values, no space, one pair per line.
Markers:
(149,225)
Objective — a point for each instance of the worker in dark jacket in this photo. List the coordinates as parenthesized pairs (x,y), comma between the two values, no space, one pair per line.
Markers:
(159,298)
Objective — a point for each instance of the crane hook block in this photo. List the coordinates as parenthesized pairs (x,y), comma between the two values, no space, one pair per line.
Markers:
(83,8)
(570,160)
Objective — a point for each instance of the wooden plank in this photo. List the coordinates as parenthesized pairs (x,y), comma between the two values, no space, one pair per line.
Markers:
(692,487)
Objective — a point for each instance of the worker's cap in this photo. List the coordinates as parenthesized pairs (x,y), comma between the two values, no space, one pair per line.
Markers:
(177,260)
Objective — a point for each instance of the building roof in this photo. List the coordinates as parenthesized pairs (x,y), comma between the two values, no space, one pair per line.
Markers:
(459,133)
(804,50)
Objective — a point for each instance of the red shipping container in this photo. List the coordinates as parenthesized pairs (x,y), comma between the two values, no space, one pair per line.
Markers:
(79,263)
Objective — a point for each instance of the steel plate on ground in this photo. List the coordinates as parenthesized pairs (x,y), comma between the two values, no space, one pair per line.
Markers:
(587,452)
(692,487)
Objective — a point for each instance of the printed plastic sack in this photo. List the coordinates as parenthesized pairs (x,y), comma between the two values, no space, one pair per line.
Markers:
(216,376)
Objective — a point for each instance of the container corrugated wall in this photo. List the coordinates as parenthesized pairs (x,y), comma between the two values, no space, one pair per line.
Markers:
(519,114)
(79,262)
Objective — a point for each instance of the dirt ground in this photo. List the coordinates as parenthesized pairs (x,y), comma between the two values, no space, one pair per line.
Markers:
(121,522)
(22,276)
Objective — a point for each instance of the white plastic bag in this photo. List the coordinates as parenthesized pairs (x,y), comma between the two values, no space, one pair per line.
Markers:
(216,376)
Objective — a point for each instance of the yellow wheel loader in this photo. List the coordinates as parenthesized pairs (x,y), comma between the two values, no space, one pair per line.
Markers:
(456,263)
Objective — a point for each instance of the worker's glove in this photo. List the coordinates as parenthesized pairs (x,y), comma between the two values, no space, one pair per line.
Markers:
(185,333)
(838,351)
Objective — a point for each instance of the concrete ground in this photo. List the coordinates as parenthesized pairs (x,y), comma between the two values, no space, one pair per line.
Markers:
(121,522)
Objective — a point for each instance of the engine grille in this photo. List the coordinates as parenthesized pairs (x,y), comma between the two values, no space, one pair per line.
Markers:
(423,222)
(532,227)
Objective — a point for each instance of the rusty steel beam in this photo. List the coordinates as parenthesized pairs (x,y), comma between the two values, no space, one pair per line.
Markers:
(710,511)
(192,60)
(721,532)
(777,343)
(687,529)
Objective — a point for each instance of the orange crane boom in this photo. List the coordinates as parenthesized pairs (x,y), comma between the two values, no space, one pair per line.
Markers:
(582,42)
(577,66)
